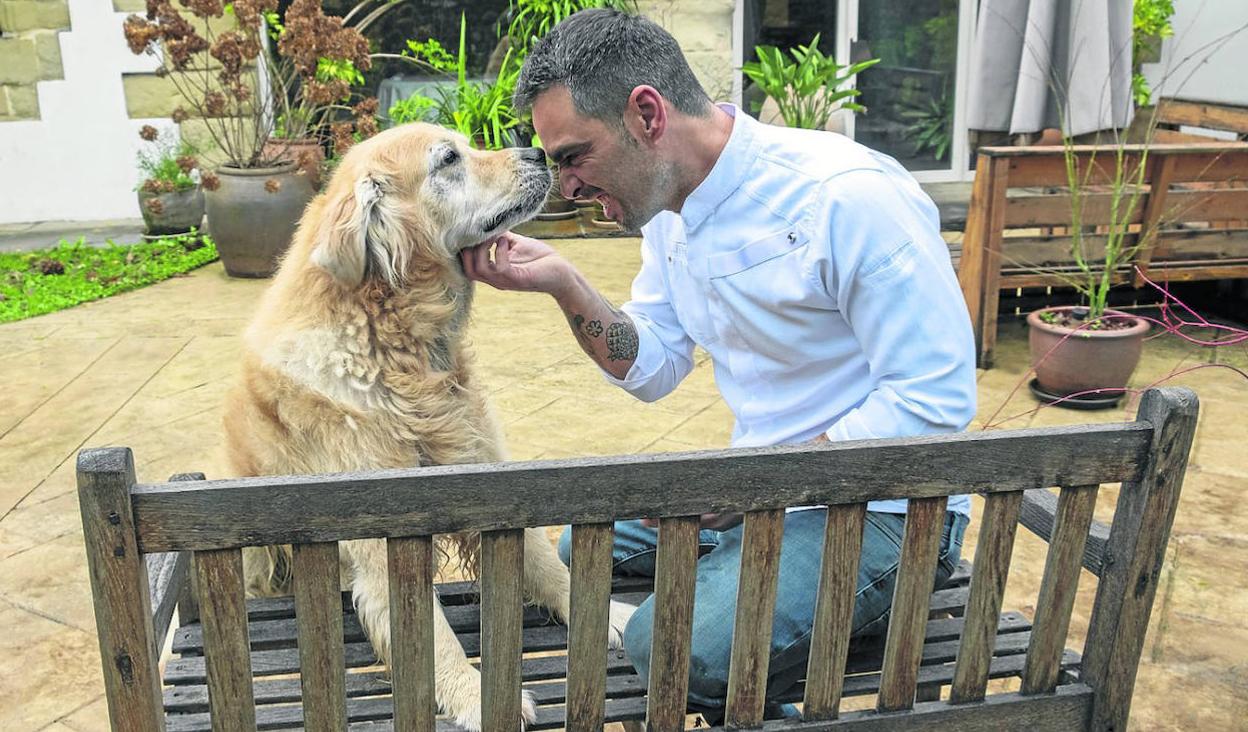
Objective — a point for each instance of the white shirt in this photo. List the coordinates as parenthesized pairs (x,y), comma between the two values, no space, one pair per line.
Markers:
(812,270)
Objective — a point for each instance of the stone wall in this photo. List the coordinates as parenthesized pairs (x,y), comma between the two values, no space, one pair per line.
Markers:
(30,52)
(704,31)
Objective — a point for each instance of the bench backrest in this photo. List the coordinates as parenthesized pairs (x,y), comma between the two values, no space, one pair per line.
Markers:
(126,525)
(1187,221)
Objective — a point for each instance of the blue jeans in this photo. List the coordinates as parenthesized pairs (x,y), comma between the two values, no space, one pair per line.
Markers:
(714,605)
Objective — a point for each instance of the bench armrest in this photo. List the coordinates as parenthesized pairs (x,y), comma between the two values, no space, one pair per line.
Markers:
(1038,513)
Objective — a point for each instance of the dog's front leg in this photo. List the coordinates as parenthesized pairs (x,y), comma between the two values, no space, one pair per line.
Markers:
(457,684)
(548,583)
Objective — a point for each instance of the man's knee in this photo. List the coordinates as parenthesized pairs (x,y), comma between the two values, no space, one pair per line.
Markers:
(637,636)
(565,546)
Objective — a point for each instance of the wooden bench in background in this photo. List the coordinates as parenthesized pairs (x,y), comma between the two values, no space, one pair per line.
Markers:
(236,659)
(1186,232)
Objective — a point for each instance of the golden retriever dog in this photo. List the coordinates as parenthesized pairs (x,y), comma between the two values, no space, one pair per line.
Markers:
(356,360)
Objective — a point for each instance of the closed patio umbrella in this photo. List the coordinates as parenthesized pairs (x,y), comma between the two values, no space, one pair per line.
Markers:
(1035,61)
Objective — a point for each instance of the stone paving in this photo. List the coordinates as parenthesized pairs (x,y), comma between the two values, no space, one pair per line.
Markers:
(149,369)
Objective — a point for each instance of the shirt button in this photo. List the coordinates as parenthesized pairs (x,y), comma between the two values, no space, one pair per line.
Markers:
(792,237)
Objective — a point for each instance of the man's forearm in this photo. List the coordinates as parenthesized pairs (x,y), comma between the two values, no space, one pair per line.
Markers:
(604,331)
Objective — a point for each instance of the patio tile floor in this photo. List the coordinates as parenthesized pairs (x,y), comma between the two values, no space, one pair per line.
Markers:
(149,370)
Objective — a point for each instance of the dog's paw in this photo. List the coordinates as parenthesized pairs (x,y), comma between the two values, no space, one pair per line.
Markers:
(619,617)
(470,719)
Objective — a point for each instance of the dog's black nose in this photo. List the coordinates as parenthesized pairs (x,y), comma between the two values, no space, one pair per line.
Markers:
(533,154)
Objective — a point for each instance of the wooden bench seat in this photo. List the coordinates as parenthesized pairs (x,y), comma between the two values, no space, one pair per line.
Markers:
(304,663)
(273,638)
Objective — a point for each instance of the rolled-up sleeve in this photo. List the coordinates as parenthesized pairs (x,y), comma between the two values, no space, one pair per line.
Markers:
(894,284)
(664,350)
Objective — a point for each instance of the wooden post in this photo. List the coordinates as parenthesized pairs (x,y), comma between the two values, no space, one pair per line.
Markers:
(834,611)
(1134,557)
(227,647)
(991,569)
(410,569)
(589,626)
(1161,173)
(119,589)
(980,271)
(502,613)
(756,605)
(318,618)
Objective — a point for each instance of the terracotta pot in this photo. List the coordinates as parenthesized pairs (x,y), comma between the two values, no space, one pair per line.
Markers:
(1086,360)
(306,152)
(172,213)
(252,216)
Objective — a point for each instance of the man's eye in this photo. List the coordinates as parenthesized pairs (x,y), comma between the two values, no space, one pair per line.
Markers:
(450,157)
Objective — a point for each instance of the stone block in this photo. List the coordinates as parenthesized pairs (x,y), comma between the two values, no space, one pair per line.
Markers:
(17,16)
(48,50)
(130,6)
(19,61)
(23,101)
(148,95)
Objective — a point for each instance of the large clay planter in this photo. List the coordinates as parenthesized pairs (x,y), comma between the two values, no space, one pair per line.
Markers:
(306,152)
(252,216)
(172,213)
(1088,359)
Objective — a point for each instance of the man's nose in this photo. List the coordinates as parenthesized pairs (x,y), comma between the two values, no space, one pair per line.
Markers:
(533,155)
(569,185)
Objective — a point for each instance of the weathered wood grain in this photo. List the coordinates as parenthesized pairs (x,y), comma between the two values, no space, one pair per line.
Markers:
(119,590)
(1162,174)
(1196,114)
(453,498)
(410,566)
(1057,588)
(993,550)
(674,579)
(502,602)
(1038,514)
(916,573)
(318,616)
(834,611)
(168,575)
(219,574)
(756,604)
(1134,557)
(589,625)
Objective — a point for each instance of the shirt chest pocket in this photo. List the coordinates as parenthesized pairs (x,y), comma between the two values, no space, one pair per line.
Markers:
(767,273)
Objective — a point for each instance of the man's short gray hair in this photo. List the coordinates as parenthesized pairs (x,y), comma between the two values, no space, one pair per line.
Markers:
(601,55)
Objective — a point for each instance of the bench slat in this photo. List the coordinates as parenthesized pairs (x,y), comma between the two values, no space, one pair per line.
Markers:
(589,625)
(834,610)
(674,577)
(502,603)
(903,650)
(1057,590)
(318,617)
(440,499)
(223,614)
(409,568)
(998,528)
(756,604)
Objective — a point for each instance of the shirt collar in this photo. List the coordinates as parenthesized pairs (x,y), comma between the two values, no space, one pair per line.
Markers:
(728,172)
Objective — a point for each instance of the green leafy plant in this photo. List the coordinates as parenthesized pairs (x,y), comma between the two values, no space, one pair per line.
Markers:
(416,108)
(168,164)
(931,126)
(38,282)
(1150,22)
(808,87)
(532,19)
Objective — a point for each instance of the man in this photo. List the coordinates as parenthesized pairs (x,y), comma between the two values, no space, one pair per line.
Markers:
(810,268)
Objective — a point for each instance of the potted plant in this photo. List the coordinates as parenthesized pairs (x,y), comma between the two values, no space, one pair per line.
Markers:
(1090,350)
(170,198)
(808,88)
(255,196)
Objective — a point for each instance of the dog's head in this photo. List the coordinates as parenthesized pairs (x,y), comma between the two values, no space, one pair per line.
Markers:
(416,193)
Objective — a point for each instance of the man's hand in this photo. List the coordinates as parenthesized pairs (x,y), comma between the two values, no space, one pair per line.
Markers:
(520,263)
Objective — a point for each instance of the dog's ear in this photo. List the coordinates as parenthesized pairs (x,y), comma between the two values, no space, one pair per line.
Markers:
(350,241)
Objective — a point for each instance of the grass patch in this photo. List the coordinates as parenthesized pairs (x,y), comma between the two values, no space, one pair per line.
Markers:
(44,281)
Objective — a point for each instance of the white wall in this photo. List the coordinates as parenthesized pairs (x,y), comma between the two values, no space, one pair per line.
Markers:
(1205,60)
(77,162)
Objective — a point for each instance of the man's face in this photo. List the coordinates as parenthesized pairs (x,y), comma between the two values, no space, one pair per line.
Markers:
(602,161)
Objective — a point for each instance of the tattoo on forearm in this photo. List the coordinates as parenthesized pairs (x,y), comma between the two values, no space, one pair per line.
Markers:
(577,321)
(622,341)
(594,328)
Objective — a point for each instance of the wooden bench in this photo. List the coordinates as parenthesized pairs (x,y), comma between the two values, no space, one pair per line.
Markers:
(303,662)
(1020,193)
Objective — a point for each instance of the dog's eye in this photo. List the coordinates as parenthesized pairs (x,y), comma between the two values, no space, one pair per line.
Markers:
(450,157)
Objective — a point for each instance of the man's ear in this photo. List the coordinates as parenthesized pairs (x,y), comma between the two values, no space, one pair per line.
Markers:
(343,247)
(645,117)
